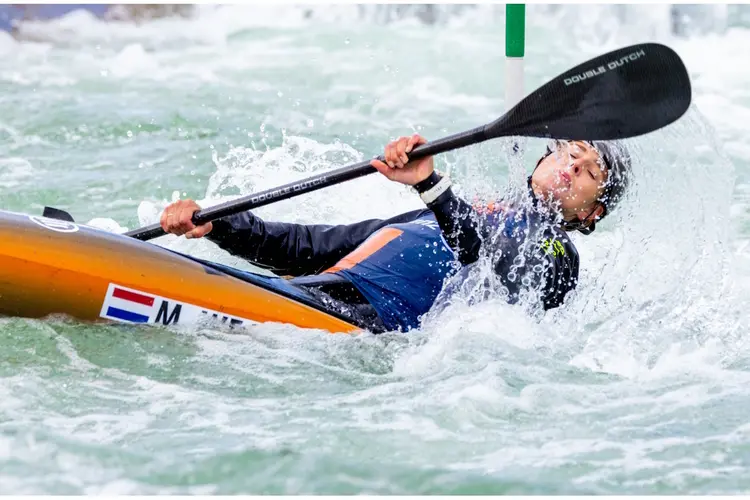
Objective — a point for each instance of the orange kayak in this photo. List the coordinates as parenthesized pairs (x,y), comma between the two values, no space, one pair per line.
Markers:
(50,266)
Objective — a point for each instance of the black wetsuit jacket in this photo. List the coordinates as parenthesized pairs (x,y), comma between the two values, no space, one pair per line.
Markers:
(528,251)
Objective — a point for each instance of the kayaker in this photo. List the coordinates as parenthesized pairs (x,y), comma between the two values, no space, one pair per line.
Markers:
(385,274)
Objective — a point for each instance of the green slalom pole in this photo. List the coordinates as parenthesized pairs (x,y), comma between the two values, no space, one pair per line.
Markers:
(515,41)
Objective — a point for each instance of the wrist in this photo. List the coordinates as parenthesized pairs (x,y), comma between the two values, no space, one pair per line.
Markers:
(428,183)
(434,189)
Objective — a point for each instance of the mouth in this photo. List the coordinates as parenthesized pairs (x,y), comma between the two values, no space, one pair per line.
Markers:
(565,178)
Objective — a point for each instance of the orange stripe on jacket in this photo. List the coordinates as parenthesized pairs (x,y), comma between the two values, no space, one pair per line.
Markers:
(369,247)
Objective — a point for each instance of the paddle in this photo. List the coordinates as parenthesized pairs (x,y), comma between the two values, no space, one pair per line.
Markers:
(625,93)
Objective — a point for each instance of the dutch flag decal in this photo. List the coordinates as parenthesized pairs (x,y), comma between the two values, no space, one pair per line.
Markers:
(127,305)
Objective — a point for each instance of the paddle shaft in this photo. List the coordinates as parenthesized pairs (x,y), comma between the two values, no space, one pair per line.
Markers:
(316,182)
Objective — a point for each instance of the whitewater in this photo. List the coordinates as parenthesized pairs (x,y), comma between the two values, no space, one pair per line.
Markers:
(639,384)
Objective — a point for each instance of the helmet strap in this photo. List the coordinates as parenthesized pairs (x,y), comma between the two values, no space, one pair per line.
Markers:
(580,225)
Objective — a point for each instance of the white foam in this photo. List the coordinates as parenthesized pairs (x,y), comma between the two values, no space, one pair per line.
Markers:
(107,224)
(132,62)
(631,383)
(15,172)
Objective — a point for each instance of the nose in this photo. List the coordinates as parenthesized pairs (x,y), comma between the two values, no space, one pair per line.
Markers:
(576,168)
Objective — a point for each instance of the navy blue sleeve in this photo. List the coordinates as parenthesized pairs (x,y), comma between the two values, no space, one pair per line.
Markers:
(462,228)
(294,249)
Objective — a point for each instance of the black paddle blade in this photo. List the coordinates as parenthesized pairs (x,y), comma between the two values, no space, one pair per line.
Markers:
(56,213)
(625,93)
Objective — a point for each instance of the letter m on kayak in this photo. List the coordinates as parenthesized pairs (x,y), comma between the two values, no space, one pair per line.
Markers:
(166,316)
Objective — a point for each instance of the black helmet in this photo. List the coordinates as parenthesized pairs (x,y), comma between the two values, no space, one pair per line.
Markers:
(619,172)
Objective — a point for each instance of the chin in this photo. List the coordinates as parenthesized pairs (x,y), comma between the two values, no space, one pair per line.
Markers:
(556,192)
(551,196)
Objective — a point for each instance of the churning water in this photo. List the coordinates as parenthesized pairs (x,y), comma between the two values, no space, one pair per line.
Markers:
(639,384)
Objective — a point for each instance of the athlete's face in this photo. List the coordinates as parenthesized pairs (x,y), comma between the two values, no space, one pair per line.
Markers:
(573,176)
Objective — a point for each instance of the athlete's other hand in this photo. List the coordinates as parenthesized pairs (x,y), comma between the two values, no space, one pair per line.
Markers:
(177,219)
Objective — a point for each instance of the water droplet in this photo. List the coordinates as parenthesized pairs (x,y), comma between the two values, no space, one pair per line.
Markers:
(130,133)
(347,41)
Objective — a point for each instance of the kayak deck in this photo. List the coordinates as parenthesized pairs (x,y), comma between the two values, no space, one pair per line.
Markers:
(48,266)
